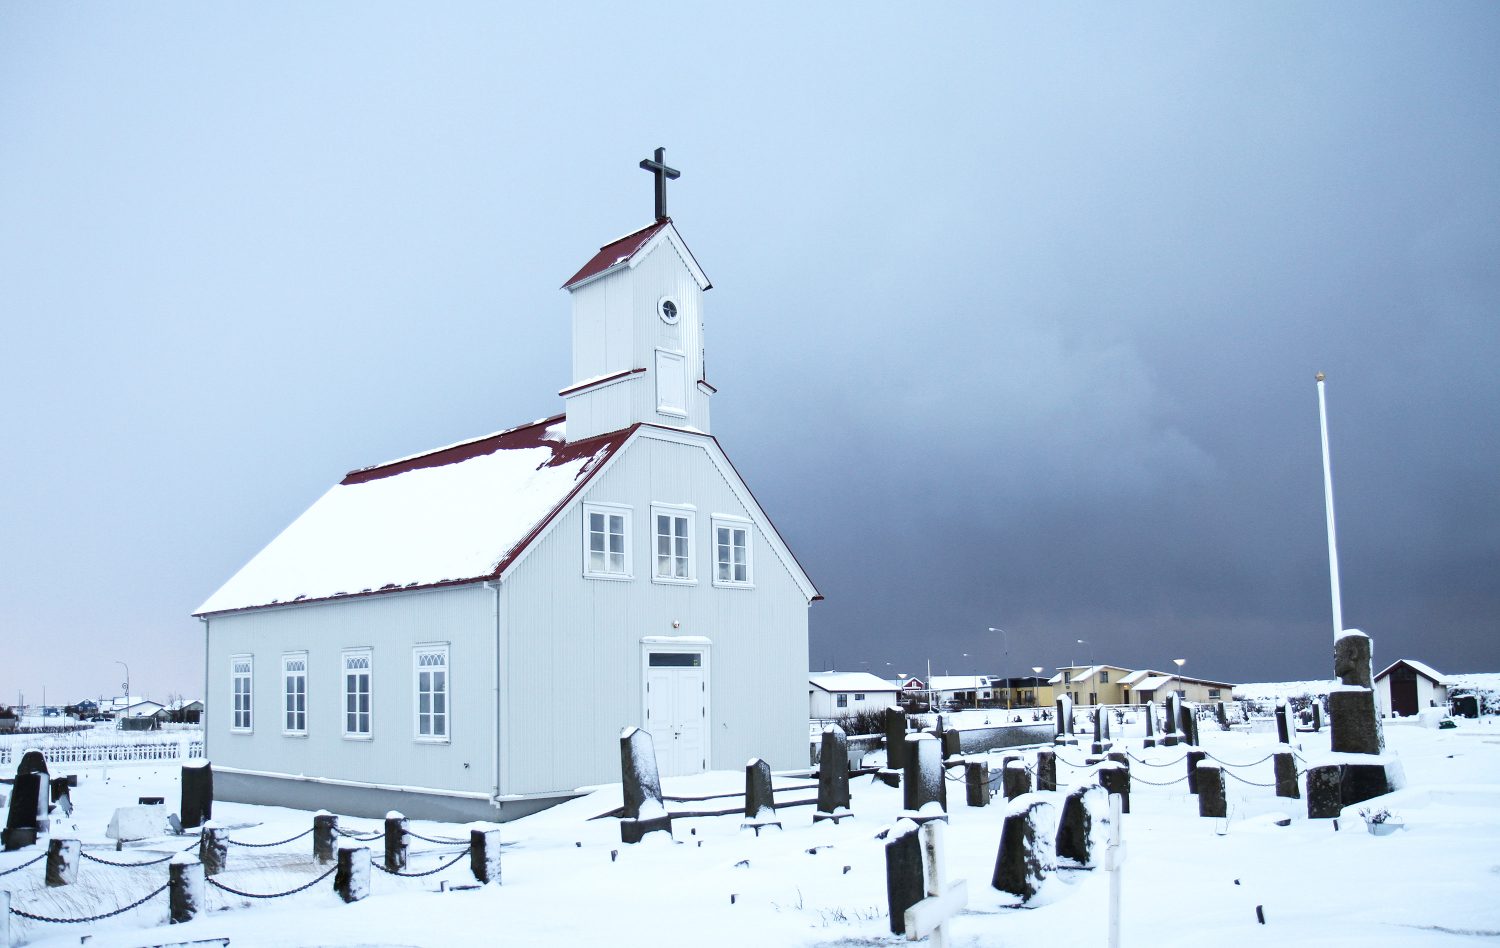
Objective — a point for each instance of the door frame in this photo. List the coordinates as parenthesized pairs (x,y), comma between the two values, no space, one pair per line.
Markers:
(703,646)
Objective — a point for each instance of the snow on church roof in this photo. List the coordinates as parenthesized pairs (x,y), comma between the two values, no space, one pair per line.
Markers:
(456,514)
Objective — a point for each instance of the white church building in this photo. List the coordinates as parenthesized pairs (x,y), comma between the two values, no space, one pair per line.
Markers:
(401,644)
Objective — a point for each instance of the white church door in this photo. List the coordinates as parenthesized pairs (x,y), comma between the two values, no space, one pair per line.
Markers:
(677,709)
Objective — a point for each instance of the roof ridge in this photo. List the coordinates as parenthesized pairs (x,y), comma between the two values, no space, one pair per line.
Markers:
(457,444)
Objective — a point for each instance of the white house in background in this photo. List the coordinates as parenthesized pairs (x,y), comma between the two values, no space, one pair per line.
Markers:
(399,646)
(1407,686)
(835,694)
(967,690)
(142,709)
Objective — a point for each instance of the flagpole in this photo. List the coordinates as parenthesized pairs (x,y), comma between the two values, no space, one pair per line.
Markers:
(1333,547)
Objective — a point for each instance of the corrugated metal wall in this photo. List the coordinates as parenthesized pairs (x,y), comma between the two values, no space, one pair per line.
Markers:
(390,625)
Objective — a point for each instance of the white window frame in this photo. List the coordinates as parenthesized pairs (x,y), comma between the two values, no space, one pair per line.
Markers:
(671,383)
(428,651)
(725,521)
(627,514)
(675,511)
(841,700)
(235,711)
(288,674)
(347,656)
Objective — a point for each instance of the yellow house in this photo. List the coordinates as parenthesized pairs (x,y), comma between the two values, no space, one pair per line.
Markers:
(1091,684)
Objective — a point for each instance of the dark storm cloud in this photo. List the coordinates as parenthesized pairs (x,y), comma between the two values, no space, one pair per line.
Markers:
(1016,318)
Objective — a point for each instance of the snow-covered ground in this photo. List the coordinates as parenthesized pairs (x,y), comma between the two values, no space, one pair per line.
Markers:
(1187,880)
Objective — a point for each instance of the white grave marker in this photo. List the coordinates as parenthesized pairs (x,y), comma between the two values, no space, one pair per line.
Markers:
(944,900)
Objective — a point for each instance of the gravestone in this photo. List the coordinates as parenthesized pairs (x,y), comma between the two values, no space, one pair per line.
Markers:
(213,848)
(1064,720)
(1115,778)
(1016,779)
(1324,796)
(63,856)
(1211,797)
(977,783)
(924,790)
(136,822)
(1097,747)
(197,792)
(833,776)
(325,828)
(1355,723)
(1170,719)
(1194,758)
(895,740)
(186,879)
(644,811)
(952,745)
(1079,833)
(1286,774)
(397,839)
(1317,716)
(1283,722)
(21,824)
(1028,853)
(484,855)
(1187,722)
(1150,724)
(1222,713)
(1046,770)
(760,803)
(33,762)
(351,878)
(905,884)
(61,797)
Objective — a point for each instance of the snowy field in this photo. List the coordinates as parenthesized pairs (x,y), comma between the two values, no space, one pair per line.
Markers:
(1186,881)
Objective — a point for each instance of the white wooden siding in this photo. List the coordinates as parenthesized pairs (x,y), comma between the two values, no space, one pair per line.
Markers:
(572,646)
(390,625)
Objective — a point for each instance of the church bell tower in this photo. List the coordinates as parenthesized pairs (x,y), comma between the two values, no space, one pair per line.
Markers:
(638,330)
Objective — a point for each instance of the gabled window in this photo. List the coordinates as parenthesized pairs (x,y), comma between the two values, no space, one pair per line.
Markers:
(294,693)
(241,679)
(430,682)
(673,559)
(732,553)
(606,541)
(358,681)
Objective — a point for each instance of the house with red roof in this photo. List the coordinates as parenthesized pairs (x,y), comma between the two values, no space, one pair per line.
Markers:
(398,645)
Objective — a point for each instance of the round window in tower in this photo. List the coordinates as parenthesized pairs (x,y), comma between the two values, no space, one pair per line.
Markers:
(666,308)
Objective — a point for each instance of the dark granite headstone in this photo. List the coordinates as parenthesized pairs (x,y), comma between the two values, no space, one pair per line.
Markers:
(1077,838)
(905,884)
(895,739)
(197,793)
(1097,747)
(1211,797)
(1115,778)
(1187,722)
(1317,716)
(1286,775)
(644,811)
(1017,779)
(1323,792)
(32,762)
(1170,719)
(1150,724)
(1046,770)
(1222,714)
(760,803)
(977,783)
(351,879)
(923,783)
(952,744)
(1355,722)
(61,798)
(833,776)
(1194,758)
(1028,853)
(1361,782)
(21,820)
(1283,722)
(484,855)
(1064,716)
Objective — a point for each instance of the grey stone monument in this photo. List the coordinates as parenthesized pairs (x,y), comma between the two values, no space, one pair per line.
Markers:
(760,802)
(1286,775)
(976,783)
(1187,722)
(1028,853)
(1046,770)
(833,776)
(1194,758)
(1324,792)
(1064,720)
(1078,839)
(1317,716)
(905,884)
(644,810)
(923,784)
(1355,724)
(1222,714)
(1211,797)
(1016,779)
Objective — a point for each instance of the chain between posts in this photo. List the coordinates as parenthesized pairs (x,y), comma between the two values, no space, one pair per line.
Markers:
(440,840)
(417,875)
(364,839)
(92,918)
(127,865)
(271,895)
(24,865)
(282,842)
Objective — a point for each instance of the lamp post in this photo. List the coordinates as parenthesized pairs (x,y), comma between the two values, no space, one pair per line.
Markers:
(1005,666)
(1182,689)
(127,683)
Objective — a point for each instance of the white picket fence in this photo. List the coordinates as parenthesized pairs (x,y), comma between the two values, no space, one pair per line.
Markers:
(100,752)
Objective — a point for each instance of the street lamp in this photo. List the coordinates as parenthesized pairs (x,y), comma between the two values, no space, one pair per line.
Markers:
(1005,668)
(127,683)
(1182,685)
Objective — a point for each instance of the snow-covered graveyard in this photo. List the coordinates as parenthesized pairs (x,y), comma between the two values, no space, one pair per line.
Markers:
(568,879)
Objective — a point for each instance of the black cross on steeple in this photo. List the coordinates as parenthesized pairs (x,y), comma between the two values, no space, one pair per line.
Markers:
(658,167)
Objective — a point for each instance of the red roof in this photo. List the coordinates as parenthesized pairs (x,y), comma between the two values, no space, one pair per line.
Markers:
(619,251)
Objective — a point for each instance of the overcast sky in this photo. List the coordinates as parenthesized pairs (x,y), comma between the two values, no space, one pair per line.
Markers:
(1016,313)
